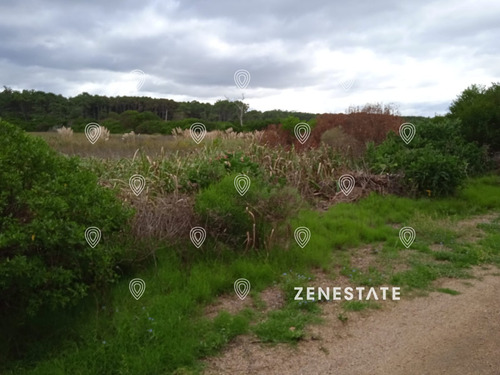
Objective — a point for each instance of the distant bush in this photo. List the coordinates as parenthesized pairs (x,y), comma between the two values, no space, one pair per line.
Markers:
(46,203)
(230,217)
(342,143)
(435,162)
(478,109)
(362,127)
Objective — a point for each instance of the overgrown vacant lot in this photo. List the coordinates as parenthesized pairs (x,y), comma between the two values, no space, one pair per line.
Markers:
(189,310)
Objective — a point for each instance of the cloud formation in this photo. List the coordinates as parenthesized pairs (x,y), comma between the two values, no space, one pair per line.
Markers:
(311,56)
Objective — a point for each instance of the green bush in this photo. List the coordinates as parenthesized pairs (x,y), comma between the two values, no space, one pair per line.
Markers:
(435,162)
(230,217)
(207,172)
(478,108)
(46,203)
(430,171)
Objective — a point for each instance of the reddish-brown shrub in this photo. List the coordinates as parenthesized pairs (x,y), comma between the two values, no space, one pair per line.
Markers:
(362,126)
(274,135)
(357,129)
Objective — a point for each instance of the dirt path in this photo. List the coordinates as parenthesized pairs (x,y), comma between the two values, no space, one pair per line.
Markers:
(438,334)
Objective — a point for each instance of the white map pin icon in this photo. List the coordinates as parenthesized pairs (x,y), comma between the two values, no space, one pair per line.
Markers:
(137,288)
(198,132)
(346,184)
(302,132)
(92,132)
(242,183)
(141,77)
(242,78)
(197,236)
(407,236)
(137,184)
(242,288)
(407,132)
(347,84)
(92,236)
(302,236)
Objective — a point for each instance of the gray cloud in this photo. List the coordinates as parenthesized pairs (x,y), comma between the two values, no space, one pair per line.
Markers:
(415,53)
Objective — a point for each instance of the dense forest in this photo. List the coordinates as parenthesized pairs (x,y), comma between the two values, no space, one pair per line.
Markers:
(40,111)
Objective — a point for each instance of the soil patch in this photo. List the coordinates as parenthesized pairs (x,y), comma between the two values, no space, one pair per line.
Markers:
(438,334)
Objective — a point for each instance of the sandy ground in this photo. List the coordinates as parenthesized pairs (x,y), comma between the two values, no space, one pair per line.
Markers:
(436,334)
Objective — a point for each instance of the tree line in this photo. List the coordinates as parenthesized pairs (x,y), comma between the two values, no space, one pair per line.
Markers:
(41,111)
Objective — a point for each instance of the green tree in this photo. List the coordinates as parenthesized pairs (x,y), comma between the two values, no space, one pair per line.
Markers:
(478,109)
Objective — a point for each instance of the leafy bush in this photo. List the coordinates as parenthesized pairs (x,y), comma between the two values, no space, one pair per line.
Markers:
(239,162)
(46,203)
(231,217)
(205,172)
(478,108)
(435,162)
(433,172)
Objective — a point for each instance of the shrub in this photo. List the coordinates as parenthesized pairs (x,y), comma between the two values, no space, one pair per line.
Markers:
(231,217)
(205,172)
(46,203)
(342,143)
(430,171)
(360,126)
(478,108)
(435,162)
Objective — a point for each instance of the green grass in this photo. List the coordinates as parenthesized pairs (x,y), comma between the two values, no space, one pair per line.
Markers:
(359,305)
(448,291)
(166,331)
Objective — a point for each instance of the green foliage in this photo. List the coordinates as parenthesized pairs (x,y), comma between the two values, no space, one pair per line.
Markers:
(46,203)
(435,162)
(207,171)
(231,217)
(289,123)
(238,162)
(478,108)
(166,332)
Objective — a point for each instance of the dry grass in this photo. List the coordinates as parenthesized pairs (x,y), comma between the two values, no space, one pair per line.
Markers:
(167,163)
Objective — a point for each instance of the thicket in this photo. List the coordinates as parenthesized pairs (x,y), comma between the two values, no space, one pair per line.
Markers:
(478,109)
(248,221)
(46,203)
(435,163)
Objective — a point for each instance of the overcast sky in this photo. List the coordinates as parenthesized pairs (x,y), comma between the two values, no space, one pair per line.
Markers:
(311,56)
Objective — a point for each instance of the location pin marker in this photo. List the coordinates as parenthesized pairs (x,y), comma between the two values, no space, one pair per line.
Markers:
(242,183)
(92,132)
(93,236)
(242,78)
(347,84)
(137,184)
(198,236)
(242,288)
(407,236)
(140,76)
(198,132)
(302,236)
(407,132)
(346,184)
(137,288)
(302,132)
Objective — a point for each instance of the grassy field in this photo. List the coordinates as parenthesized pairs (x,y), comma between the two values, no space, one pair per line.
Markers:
(168,330)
